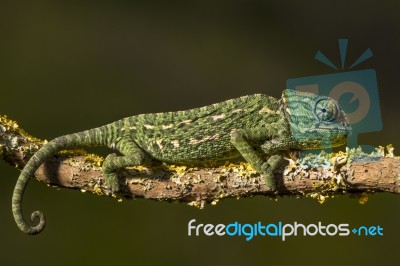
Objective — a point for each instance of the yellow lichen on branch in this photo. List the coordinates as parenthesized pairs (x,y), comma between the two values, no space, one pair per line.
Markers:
(317,176)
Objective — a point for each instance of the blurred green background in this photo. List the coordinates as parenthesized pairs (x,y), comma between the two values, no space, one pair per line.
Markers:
(66,66)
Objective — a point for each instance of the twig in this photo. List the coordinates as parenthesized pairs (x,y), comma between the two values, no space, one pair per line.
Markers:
(196,184)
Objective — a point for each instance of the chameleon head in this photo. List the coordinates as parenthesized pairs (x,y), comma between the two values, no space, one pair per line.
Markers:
(316,121)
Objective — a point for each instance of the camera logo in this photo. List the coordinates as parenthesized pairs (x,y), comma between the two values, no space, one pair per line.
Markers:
(355,90)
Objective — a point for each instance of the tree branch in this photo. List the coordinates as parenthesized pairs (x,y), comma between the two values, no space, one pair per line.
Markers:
(197,185)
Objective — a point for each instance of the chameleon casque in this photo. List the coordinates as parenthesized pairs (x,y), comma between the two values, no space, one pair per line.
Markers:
(257,127)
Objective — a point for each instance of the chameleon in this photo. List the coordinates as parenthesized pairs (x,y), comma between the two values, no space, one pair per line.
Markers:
(257,127)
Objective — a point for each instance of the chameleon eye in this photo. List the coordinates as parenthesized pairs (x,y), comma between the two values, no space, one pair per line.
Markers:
(326,110)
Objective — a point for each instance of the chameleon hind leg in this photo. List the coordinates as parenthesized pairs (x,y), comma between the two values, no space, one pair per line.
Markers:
(132,155)
(242,138)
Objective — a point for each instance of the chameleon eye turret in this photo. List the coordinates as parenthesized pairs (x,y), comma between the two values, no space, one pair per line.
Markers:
(326,110)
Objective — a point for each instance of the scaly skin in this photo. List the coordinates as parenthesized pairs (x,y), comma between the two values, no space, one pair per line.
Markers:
(254,127)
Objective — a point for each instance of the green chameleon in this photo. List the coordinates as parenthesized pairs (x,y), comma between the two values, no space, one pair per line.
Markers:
(256,127)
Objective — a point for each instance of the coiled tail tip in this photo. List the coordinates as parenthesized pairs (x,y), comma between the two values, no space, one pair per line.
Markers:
(33,230)
(42,223)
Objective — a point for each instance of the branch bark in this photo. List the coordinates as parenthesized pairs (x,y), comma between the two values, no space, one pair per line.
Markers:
(196,185)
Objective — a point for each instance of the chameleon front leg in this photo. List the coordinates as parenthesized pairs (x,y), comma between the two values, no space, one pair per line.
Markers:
(132,155)
(242,138)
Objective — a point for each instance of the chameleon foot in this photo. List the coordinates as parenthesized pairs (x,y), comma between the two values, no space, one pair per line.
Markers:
(109,174)
(267,170)
(270,181)
(112,182)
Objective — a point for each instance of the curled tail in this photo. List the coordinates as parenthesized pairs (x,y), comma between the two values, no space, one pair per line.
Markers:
(98,136)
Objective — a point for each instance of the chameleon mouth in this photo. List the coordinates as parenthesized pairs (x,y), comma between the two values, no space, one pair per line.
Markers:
(346,130)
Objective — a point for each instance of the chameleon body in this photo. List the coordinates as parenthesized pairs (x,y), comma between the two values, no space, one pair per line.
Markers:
(256,127)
